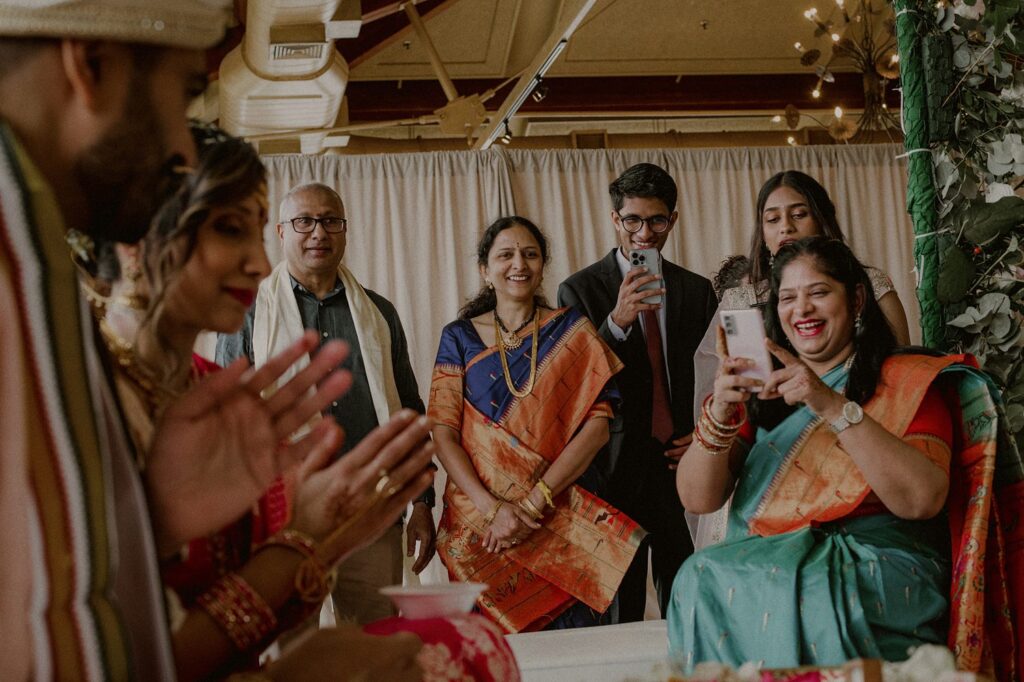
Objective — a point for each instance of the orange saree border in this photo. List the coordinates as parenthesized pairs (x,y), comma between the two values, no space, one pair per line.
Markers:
(817,480)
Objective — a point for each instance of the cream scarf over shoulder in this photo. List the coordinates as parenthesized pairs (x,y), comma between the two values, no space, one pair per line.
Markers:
(277,324)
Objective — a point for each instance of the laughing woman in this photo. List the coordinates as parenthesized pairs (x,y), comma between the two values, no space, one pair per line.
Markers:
(838,542)
(521,401)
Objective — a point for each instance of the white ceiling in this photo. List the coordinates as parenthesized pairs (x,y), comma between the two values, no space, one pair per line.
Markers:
(496,38)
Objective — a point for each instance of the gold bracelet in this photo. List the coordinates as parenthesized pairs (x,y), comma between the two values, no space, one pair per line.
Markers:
(494,512)
(292,539)
(530,508)
(313,582)
(545,490)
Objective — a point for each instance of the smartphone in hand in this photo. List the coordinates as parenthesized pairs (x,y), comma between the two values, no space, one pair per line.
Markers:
(744,338)
(650,259)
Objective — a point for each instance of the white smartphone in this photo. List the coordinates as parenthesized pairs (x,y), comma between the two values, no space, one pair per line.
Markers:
(744,337)
(650,259)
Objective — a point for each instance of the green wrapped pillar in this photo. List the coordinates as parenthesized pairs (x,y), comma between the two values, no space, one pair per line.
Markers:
(913,19)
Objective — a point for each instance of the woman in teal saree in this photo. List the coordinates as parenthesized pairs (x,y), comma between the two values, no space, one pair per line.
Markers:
(839,542)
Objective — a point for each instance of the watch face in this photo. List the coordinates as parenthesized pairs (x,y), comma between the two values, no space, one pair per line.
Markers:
(853,413)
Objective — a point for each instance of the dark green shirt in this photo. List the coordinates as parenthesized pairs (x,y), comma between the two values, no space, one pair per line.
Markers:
(332,319)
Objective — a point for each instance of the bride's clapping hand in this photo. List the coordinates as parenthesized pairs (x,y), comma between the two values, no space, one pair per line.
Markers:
(327,496)
(219,446)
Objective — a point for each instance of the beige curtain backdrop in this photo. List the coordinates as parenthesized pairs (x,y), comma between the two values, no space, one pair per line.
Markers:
(414,219)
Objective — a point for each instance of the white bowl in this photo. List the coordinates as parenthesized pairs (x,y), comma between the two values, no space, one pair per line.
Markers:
(434,601)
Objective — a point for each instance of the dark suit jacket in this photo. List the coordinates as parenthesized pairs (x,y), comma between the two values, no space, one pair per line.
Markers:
(632,462)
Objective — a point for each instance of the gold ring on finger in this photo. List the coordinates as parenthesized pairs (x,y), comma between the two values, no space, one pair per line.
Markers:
(383,483)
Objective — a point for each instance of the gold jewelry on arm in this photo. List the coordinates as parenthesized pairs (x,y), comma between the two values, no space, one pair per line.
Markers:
(239,611)
(489,519)
(712,434)
(313,579)
(530,508)
(545,490)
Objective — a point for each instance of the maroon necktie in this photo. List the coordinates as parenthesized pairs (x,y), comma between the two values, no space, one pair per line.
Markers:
(661,414)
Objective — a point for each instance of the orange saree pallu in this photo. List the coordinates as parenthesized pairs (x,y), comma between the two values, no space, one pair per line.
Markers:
(585,545)
(817,481)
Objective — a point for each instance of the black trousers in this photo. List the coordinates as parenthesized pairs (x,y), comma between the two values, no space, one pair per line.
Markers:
(666,546)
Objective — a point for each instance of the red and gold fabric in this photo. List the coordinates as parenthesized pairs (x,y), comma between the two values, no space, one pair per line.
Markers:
(585,545)
(459,649)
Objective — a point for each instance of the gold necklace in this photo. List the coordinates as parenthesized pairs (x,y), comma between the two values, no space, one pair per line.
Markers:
(511,339)
(528,386)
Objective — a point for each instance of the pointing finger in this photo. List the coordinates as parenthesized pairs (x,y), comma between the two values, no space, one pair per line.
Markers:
(783,355)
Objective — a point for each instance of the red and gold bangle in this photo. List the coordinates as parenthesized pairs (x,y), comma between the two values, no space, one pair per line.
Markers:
(736,422)
(713,447)
(239,611)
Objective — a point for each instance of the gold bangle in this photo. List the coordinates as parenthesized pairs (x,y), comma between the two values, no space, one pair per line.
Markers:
(313,582)
(545,490)
(530,508)
(494,512)
(293,539)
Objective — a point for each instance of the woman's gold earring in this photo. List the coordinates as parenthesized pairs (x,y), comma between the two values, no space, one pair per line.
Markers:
(490,285)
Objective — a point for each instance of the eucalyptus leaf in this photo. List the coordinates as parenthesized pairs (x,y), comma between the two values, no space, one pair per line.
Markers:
(947,19)
(993,303)
(962,57)
(964,319)
(985,221)
(1000,329)
(955,276)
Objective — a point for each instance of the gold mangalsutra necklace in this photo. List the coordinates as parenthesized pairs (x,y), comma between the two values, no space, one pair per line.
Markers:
(511,339)
(528,386)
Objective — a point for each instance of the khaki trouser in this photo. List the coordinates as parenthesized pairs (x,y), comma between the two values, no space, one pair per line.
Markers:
(356,594)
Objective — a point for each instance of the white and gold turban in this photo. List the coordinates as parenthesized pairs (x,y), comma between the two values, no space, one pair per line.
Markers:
(190,24)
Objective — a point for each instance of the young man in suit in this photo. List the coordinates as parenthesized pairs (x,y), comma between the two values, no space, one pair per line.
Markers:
(656,342)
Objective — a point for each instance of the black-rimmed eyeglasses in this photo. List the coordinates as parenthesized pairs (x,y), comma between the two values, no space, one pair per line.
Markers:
(634,223)
(306,224)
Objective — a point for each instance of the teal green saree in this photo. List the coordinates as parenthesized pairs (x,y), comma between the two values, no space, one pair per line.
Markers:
(798,579)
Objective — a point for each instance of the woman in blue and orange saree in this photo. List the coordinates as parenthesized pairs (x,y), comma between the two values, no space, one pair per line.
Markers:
(870,513)
(521,397)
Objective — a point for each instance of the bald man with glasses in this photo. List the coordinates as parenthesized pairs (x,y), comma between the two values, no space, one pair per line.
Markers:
(312,289)
(656,342)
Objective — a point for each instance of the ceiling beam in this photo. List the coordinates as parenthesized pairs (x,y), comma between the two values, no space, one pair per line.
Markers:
(388,30)
(650,95)
(573,13)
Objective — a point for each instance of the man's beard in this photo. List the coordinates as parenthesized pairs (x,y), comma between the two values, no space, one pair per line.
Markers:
(127,174)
